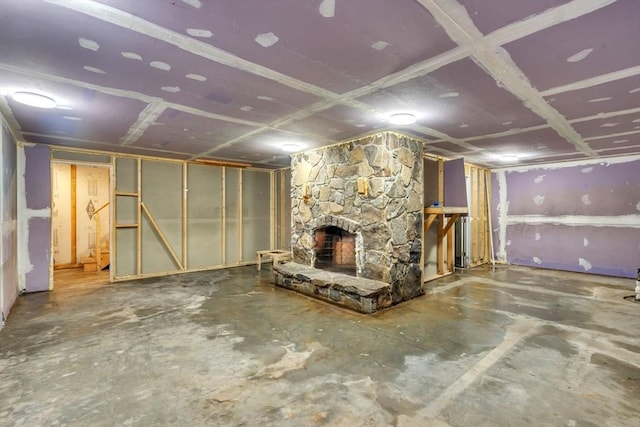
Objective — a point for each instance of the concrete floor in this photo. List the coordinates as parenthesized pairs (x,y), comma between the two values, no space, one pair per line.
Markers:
(510,347)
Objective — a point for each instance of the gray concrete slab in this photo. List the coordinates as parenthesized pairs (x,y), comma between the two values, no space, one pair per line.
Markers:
(513,346)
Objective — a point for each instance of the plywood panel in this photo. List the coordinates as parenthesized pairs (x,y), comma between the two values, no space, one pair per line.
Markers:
(256,209)
(126,252)
(431,251)
(204,216)
(233,201)
(162,195)
(126,175)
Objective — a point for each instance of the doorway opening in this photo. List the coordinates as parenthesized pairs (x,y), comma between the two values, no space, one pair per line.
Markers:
(81,224)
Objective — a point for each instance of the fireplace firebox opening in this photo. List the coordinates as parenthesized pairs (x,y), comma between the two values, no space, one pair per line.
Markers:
(335,250)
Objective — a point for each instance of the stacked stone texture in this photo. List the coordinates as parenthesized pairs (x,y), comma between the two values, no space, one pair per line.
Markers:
(387,221)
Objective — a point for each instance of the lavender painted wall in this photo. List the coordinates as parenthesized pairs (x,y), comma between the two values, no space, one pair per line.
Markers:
(8,223)
(575,216)
(455,186)
(36,218)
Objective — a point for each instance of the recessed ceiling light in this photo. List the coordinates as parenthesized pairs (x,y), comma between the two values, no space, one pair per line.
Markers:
(402,119)
(509,158)
(34,100)
(290,147)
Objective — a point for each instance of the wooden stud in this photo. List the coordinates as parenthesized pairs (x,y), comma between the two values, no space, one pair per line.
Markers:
(481,217)
(272,210)
(112,219)
(72,231)
(440,249)
(185,189)
(422,277)
(223,236)
(96,215)
(113,240)
(473,214)
(164,240)
(223,163)
(429,222)
(283,216)
(449,231)
(441,182)
(139,219)
(240,222)
(487,176)
(451,223)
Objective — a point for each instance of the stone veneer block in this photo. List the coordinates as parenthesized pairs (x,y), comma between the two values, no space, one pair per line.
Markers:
(363,295)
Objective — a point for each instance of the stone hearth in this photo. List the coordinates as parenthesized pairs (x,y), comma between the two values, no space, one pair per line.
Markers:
(363,295)
(373,189)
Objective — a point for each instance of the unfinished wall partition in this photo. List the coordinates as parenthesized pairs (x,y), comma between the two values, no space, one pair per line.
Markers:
(173,216)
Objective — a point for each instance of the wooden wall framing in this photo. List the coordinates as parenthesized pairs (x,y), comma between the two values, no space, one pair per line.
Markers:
(480,203)
(443,218)
(240,217)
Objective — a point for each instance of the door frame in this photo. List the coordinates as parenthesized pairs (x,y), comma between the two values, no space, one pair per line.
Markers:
(110,168)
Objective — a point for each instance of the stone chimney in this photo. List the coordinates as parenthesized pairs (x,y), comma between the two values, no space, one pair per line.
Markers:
(372,188)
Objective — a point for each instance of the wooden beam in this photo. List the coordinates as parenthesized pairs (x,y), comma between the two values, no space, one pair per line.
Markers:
(185,189)
(73,236)
(474,216)
(240,219)
(440,249)
(441,182)
(283,218)
(449,232)
(223,163)
(155,226)
(139,218)
(223,219)
(451,222)
(429,221)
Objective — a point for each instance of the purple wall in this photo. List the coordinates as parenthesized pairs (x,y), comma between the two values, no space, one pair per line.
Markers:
(37,179)
(575,217)
(8,221)
(455,185)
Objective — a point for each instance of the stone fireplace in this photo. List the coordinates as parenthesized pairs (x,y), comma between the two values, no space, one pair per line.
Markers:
(364,200)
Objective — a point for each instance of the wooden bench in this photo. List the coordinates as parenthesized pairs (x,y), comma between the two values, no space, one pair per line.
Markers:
(277,255)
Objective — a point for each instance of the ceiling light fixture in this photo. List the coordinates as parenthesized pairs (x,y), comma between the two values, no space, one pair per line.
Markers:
(402,119)
(290,147)
(34,99)
(509,158)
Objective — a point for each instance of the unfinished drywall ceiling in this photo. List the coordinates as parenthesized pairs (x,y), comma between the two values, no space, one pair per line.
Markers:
(488,80)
